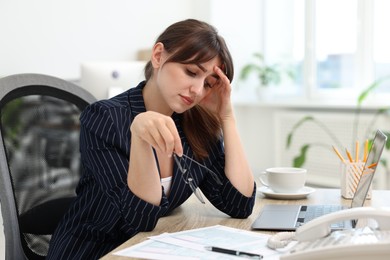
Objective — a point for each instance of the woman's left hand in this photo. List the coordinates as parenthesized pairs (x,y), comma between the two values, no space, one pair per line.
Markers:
(218,99)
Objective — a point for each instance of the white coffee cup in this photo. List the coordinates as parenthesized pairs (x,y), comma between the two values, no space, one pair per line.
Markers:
(284,179)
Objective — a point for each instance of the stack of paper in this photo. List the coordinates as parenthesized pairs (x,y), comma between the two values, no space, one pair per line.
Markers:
(191,244)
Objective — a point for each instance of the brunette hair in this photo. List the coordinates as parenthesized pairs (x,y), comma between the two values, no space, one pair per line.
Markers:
(193,42)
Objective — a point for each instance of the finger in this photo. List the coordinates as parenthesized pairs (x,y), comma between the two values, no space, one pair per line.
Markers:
(223,80)
(150,127)
(177,146)
(168,139)
(155,139)
(221,74)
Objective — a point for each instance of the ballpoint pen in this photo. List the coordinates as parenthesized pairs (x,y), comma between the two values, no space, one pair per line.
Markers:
(233,252)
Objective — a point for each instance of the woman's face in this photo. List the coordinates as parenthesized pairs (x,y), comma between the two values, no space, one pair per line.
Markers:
(185,85)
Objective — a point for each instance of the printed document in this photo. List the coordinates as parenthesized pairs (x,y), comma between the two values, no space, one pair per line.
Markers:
(190,244)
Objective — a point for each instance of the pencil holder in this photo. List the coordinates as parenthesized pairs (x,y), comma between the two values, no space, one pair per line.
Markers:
(350,176)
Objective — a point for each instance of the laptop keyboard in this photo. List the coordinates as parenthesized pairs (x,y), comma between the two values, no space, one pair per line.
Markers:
(308,213)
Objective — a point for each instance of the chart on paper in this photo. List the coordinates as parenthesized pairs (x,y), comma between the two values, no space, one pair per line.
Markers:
(191,244)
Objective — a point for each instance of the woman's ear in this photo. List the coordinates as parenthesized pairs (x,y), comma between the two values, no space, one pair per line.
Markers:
(157,55)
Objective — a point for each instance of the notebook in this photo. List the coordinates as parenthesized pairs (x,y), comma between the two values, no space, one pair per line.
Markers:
(290,217)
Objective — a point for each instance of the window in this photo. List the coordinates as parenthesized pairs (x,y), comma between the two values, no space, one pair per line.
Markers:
(337,48)
(381,49)
(284,41)
(335,38)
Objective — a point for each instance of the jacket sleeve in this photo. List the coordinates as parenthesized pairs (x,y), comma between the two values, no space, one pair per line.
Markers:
(105,147)
(225,197)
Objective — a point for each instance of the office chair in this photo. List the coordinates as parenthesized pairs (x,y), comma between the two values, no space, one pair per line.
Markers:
(39,158)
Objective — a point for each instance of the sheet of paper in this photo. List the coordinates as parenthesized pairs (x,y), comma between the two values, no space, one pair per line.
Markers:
(190,244)
(151,249)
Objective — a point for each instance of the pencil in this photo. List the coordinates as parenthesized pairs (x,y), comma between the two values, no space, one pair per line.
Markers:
(365,151)
(372,165)
(338,154)
(357,151)
(349,155)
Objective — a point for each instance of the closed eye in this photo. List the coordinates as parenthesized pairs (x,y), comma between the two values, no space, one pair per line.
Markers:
(190,73)
(210,81)
(207,84)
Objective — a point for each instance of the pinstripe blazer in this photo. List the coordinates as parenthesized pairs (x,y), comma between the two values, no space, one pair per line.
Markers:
(106,213)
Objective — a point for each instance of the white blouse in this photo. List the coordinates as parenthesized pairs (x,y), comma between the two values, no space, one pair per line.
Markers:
(166,183)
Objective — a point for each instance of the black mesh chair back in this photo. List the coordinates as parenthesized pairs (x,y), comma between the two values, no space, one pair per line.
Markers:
(39,158)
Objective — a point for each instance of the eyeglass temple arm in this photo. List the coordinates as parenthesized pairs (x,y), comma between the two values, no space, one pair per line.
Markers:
(178,164)
(193,188)
(213,174)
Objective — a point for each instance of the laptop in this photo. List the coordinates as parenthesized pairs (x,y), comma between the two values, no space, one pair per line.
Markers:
(290,217)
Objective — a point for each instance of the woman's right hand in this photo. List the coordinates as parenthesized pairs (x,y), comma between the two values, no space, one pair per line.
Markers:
(157,130)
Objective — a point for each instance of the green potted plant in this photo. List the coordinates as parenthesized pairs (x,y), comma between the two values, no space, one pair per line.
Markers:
(267,74)
(300,159)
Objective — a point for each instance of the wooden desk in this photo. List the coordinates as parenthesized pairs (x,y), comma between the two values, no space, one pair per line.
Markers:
(192,214)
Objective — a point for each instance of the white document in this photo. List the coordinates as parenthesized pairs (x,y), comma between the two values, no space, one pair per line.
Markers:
(191,244)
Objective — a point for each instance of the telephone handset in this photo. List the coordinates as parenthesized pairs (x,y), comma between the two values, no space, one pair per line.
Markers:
(320,227)
(316,241)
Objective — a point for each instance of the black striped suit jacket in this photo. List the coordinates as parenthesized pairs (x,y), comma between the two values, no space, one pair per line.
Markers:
(106,213)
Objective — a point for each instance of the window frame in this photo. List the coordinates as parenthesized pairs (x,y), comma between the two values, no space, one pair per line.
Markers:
(365,64)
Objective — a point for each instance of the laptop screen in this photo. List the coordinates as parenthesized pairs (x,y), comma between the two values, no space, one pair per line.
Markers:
(369,169)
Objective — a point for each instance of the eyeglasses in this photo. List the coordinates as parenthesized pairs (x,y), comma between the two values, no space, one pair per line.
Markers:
(187,177)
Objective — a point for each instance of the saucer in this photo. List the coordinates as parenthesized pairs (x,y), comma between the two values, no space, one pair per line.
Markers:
(301,194)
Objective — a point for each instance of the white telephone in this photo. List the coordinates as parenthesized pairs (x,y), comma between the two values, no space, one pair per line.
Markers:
(316,241)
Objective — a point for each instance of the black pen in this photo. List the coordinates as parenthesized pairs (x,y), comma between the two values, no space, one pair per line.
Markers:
(233,252)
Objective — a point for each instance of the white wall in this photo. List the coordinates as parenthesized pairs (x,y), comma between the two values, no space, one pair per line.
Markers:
(53,37)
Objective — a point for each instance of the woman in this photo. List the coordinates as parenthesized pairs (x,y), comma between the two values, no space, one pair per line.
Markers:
(145,151)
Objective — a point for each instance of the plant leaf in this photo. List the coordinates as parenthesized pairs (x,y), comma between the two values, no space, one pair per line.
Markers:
(259,56)
(384,162)
(301,158)
(370,88)
(289,138)
(247,69)
(382,110)
(388,140)
(298,124)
